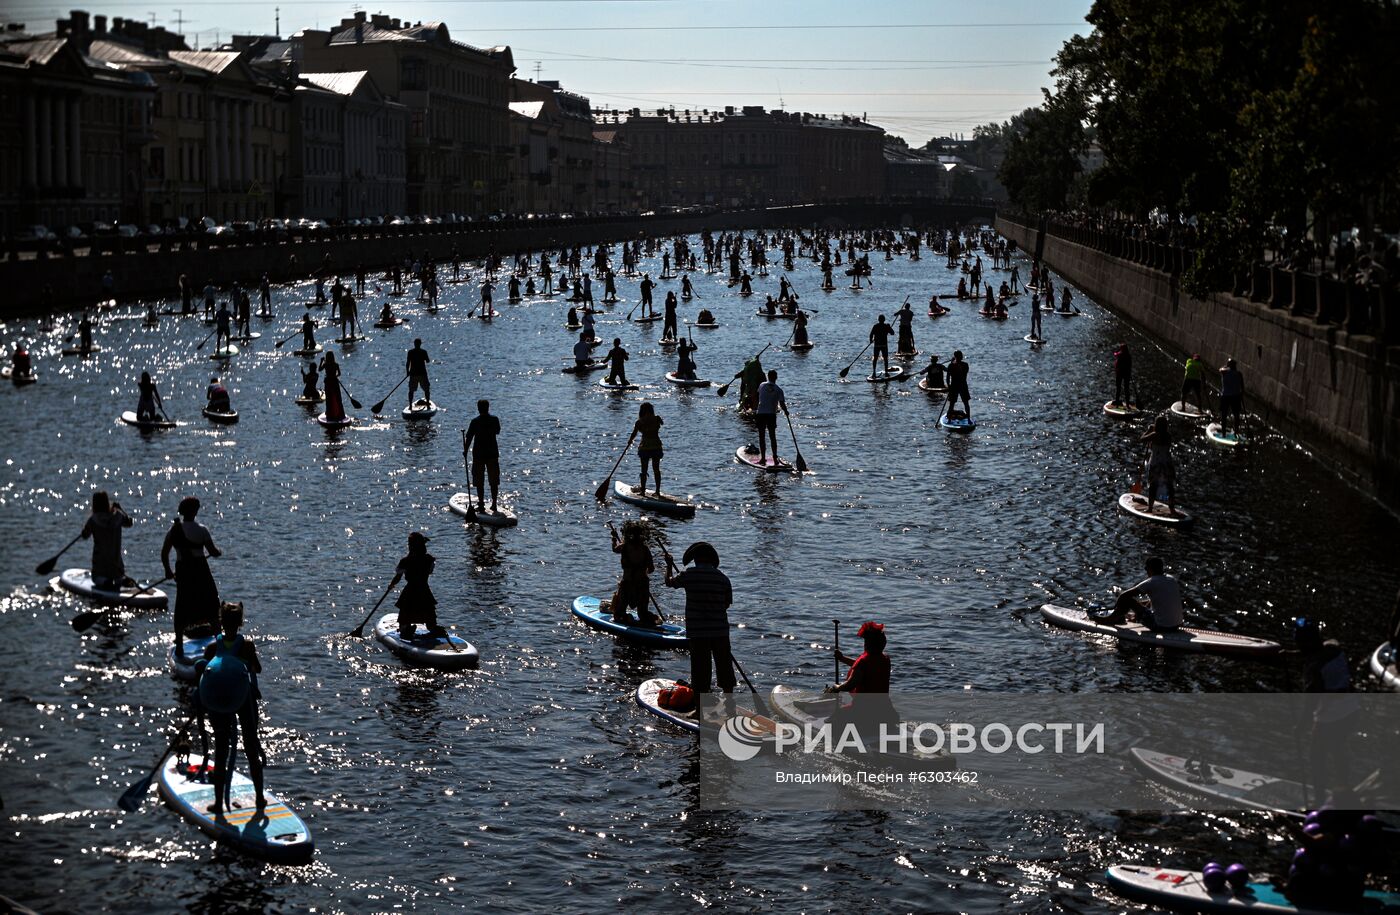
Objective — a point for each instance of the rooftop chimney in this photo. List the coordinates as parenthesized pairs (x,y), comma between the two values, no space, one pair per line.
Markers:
(99,24)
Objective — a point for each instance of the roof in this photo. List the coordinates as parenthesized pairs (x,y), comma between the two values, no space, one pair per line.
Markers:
(37,51)
(527,109)
(339,83)
(605,136)
(116,53)
(209,61)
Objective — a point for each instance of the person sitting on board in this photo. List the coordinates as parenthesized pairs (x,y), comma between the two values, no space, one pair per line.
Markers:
(957,387)
(868,682)
(708,596)
(648,425)
(217,397)
(1193,382)
(583,351)
(935,373)
(572,319)
(1161,469)
(308,333)
(416,603)
(104,528)
(197,596)
(934,306)
(1122,375)
(634,590)
(1231,395)
(386,314)
(416,368)
(149,401)
(770,307)
(1004,292)
(310,376)
(1163,593)
(228,693)
(1067,306)
(799,329)
(486,457)
(962,287)
(685,361)
(617,363)
(705,317)
(530,286)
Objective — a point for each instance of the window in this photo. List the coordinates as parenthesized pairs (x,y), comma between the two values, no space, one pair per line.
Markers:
(157,163)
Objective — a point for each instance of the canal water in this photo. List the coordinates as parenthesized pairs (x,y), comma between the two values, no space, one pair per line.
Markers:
(536,782)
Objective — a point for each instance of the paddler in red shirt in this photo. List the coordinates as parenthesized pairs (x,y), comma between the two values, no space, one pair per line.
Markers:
(868,682)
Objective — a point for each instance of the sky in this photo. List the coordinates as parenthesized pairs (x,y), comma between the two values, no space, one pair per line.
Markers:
(918,68)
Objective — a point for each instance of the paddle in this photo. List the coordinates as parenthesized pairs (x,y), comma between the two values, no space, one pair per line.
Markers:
(466,464)
(279,343)
(757,699)
(161,403)
(346,391)
(206,339)
(601,493)
(84,621)
(359,631)
(847,370)
(724,388)
(801,463)
(130,801)
(47,565)
(835,661)
(379,406)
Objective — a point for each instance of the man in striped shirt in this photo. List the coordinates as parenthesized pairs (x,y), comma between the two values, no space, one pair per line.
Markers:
(707,598)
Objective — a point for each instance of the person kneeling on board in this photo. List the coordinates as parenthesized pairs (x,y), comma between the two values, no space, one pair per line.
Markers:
(228,693)
(1163,593)
(705,317)
(708,596)
(617,359)
(634,590)
(934,373)
(217,396)
(868,682)
(583,351)
(416,602)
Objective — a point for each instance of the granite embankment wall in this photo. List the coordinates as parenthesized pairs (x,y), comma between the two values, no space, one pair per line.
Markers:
(144,269)
(1334,389)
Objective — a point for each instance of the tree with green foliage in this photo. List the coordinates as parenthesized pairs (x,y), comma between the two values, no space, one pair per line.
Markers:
(1043,149)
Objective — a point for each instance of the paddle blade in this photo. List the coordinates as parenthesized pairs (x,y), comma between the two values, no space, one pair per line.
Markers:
(46,566)
(356,404)
(377,407)
(846,371)
(722,390)
(801,463)
(601,493)
(131,800)
(84,621)
(358,632)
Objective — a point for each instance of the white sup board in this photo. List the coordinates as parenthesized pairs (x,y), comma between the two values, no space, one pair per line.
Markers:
(1216,435)
(79,581)
(1186,638)
(1136,504)
(185,668)
(1188,410)
(449,652)
(665,503)
(687,382)
(461,505)
(146,425)
(421,409)
(1185,891)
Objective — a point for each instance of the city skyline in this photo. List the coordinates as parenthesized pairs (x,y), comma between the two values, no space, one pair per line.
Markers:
(921,71)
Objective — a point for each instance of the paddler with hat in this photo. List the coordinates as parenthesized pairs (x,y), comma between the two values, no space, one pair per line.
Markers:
(868,682)
(708,595)
(228,694)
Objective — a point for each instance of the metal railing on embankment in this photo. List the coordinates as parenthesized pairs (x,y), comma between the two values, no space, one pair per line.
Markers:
(1354,307)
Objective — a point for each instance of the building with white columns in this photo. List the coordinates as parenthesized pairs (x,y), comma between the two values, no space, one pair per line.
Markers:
(72,128)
